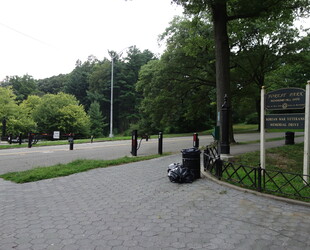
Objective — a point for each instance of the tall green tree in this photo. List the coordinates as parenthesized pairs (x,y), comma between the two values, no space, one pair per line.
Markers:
(259,49)
(54,84)
(97,121)
(16,117)
(294,70)
(21,86)
(179,87)
(224,11)
(61,112)
(77,82)
(126,98)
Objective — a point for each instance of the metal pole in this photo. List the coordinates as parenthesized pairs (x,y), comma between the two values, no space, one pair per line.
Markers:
(112,83)
(225,147)
(307,136)
(111,110)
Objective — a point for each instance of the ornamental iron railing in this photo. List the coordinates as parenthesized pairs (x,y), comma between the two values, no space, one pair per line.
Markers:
(262,180)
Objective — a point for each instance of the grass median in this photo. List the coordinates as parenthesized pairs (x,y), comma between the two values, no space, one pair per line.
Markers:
(77,166)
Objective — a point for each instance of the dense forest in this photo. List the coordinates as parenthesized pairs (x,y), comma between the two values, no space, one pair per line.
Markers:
(176,92)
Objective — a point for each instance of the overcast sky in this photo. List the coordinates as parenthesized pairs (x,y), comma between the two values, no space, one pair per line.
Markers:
(43,38)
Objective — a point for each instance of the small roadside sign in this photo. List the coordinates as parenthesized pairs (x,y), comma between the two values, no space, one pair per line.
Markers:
(56,135)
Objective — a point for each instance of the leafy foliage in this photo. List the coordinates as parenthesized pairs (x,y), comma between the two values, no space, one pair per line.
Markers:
(61,112)
(21,86)
(177,89)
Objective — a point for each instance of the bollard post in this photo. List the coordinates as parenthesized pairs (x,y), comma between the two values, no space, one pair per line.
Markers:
(134,142)
(160,143)
(195,140)
(225,147)
(71,141)
(29,140)
(10,138)
(20,139)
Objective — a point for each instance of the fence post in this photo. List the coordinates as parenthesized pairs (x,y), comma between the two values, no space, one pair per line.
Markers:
(259,178)
(219,168)
(160,143)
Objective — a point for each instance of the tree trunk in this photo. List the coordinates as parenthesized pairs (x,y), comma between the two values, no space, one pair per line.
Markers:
(222,55)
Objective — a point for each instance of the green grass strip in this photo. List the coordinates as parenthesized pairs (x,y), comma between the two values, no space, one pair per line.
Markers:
(77,166)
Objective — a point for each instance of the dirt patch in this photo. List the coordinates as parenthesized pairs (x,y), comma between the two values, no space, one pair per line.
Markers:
(280,161)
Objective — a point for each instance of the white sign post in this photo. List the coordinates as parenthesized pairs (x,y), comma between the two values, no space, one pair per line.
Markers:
(307,136)
(262,130)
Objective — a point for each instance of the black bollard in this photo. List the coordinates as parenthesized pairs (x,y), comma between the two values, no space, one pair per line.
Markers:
(10,138)
(195,140)
(289,138)
(134,142)
(225,147)
(160,143)
(20,139)
(71,141)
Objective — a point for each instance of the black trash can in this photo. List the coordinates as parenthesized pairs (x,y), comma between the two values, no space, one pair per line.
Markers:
(191,160)
(289,138)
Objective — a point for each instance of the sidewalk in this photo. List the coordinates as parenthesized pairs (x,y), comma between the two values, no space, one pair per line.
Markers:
(135,206)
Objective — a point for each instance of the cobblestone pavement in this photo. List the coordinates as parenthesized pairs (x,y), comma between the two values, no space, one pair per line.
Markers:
(135,206)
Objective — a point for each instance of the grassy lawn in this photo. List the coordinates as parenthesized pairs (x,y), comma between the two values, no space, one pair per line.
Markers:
(287,159)
(41,173)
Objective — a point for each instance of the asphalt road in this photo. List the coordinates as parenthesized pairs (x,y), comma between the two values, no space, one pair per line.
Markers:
(26,158)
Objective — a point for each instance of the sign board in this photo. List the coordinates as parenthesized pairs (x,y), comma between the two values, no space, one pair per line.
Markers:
(285,121)
(285,99)
(56,135)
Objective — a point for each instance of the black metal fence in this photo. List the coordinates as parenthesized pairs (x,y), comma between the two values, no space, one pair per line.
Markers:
(269,181)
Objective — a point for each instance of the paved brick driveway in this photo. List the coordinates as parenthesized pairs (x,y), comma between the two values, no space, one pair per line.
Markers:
(135,206)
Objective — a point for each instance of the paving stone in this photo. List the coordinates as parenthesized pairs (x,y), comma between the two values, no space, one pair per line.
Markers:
(135,206)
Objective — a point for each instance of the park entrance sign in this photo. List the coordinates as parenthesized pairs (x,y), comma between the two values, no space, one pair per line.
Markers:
(286,99)
(282,100)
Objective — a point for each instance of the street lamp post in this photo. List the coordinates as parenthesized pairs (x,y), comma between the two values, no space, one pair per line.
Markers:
(113,56)
(111,110)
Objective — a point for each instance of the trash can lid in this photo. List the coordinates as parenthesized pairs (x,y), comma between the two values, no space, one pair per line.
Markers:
(190,151)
